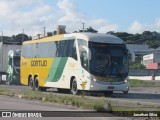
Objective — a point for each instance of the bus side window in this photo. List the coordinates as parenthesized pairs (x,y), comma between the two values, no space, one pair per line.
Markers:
(74,52)
(70,50)
(28,50)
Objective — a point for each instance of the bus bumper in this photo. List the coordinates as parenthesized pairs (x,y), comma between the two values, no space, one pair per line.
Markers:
(98,86)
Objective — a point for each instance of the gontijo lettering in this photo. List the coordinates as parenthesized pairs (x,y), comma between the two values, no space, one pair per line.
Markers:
(38,63)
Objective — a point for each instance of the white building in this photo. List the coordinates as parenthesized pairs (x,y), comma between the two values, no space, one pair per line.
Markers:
(151,58)
(148,59)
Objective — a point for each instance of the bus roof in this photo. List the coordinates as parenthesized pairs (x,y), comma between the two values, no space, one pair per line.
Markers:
(98,37)
(93,37)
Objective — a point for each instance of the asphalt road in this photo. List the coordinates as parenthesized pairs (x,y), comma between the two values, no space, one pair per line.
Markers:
(142,94)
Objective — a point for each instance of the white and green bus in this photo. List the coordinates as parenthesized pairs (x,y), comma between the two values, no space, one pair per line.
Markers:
(76,62)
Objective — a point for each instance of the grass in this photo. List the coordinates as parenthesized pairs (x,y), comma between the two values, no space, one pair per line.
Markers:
(78,101)
(142,83)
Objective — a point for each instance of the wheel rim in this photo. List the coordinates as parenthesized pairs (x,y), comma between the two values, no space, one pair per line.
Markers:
(31,83)
(36,84)
(74,86)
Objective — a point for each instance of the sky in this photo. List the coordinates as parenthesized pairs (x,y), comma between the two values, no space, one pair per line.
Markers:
(133,16)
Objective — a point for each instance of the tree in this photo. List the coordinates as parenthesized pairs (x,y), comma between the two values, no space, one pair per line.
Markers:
(90,29)
(147,37)
(147,33)
(16,38)
(21,37)
(136,66)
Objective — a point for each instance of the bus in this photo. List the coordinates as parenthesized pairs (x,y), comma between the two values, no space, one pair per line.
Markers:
(76,62)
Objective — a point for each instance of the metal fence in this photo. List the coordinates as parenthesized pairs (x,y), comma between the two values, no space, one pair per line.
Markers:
(143,72)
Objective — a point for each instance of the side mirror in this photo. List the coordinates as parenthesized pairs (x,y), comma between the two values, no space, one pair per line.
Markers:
(88,52)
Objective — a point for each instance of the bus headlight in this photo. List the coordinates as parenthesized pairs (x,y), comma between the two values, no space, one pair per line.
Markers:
(92,78)
(126,80)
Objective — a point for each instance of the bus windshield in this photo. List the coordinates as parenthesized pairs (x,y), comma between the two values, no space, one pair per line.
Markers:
(108,59)
(16,61)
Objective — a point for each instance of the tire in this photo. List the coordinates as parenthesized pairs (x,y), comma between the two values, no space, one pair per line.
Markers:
(60,90)
(108,93)
(74,89)
(36,82)
(0,79)
(10,81)
(43,89)
(126,92)
(37,87)
(31,84)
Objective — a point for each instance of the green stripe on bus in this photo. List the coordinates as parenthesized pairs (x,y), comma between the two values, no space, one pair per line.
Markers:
(56,69)
(53,69)
(60,69)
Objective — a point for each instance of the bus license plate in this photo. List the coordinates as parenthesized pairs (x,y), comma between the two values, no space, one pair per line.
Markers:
(110,87)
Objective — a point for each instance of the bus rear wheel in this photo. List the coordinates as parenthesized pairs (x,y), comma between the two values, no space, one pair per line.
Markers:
(37,87)
(74,89)
(31,84)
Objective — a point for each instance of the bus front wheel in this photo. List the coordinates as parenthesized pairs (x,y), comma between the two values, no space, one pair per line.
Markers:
(108,93)
(126,92)
(74,89)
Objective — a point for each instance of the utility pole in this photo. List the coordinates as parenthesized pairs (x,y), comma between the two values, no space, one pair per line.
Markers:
(22,36)
(44,30)
(83,26)
(2,36)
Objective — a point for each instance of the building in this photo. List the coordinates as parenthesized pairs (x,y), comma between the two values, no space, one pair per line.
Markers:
(152,61)
(140,50)
(137,50)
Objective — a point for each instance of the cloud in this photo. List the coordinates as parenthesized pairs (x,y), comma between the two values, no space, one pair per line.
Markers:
(102,25)
(14,17)
(137,27)
(157,22)
(32,16)
(74,17)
